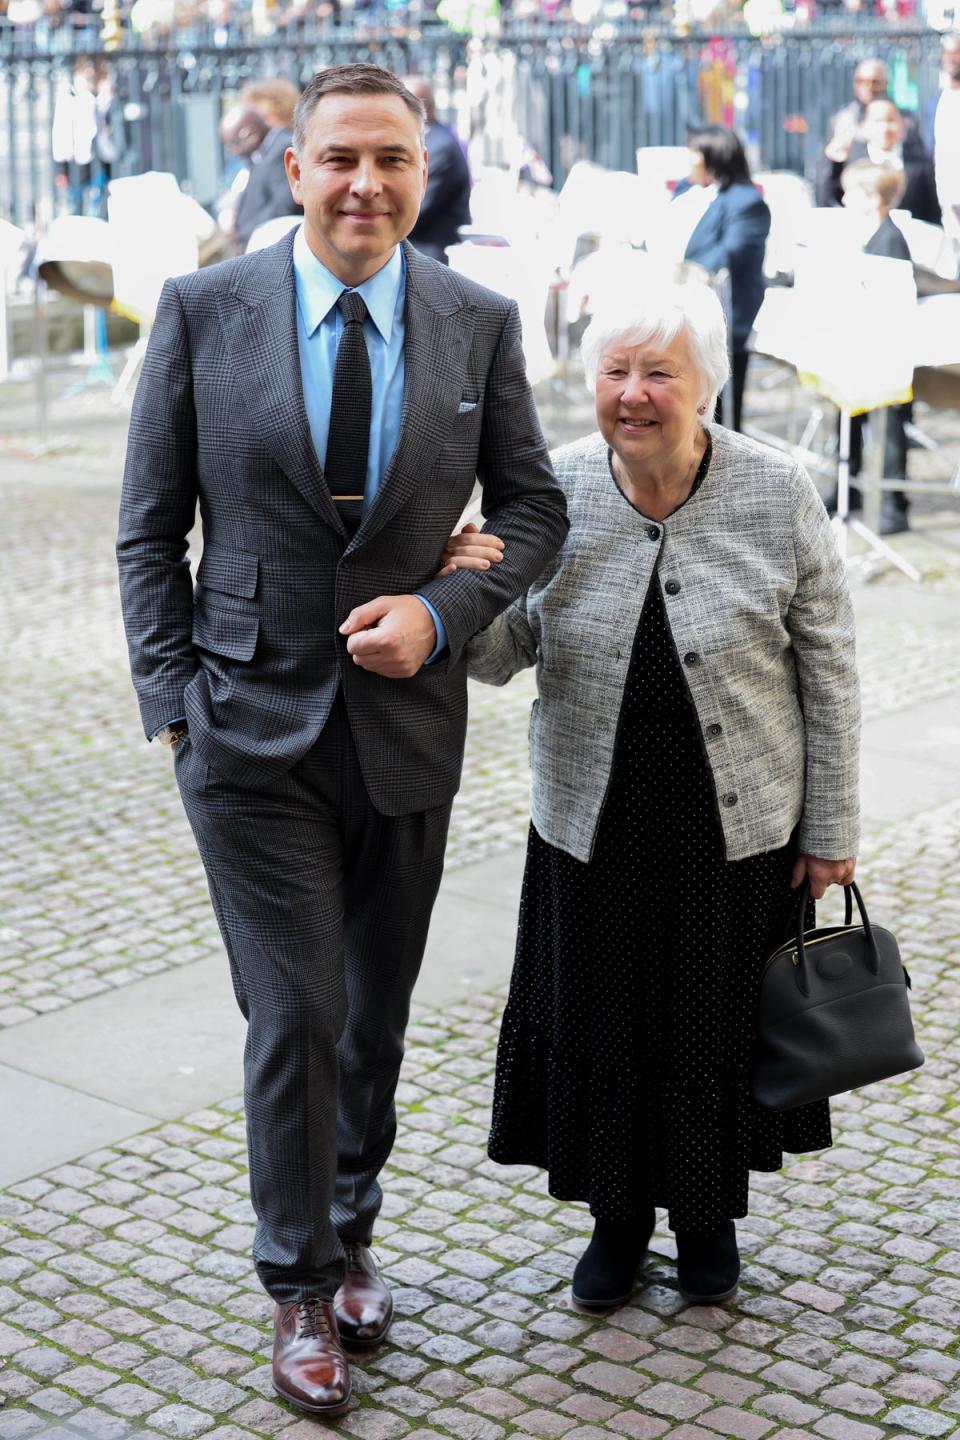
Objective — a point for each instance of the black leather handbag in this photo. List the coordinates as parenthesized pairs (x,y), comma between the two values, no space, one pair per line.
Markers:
(833,1012)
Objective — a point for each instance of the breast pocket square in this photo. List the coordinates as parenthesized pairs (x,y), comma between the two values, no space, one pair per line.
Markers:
(466,406)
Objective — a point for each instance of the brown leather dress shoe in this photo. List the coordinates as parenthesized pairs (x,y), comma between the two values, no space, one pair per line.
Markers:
(309,1366)
(363,1303)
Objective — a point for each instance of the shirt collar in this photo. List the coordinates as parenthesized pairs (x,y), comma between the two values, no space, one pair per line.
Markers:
(318,289)
(892,159)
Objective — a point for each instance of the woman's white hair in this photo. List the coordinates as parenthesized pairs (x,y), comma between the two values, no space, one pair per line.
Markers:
(656,311)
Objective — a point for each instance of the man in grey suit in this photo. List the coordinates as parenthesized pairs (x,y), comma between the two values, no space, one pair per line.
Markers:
(329,402)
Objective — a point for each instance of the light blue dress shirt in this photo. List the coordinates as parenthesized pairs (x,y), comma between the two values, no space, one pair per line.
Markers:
(319,328)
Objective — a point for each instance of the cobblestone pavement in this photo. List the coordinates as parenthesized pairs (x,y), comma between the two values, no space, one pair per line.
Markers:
(128,1304)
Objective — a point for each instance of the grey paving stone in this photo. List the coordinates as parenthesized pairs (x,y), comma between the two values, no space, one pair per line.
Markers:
(917,1421)
(181,1421)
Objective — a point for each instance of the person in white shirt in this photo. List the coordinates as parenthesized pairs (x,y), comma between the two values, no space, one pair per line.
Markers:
(943,134)
(887,141)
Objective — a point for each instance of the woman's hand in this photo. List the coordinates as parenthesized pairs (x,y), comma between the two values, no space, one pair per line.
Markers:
(821,873)
(472,549)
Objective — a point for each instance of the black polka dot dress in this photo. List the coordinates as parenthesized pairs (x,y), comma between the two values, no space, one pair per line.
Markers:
(624,1052)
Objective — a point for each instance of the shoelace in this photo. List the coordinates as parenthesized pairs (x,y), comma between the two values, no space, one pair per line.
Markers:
(354,1263)
(312,1321)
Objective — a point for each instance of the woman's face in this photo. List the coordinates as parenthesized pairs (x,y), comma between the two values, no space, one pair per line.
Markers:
(647,398)
(698,168)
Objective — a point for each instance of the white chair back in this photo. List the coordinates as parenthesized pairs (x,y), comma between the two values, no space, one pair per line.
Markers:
(523,273)
(670,226)
(75,256)
(789,199)
(271,231)
(930,246)
(607,280)
(661,166)
(156,235)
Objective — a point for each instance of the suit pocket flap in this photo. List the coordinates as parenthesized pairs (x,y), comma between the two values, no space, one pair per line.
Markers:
(232,571)
(225,632)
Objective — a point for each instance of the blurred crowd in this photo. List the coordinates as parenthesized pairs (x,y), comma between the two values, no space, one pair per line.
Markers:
(55,20)
(890,176)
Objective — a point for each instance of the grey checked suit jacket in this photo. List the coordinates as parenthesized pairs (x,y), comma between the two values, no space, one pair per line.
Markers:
(252,656)
(757,600)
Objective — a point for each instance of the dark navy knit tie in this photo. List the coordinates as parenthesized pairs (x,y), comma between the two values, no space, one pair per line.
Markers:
(351,403)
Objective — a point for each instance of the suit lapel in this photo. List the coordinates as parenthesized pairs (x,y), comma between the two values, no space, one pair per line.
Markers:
(436,347)
(260,331)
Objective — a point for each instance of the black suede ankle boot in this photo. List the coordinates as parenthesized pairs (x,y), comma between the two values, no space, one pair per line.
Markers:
(607,1269)
(708,1266)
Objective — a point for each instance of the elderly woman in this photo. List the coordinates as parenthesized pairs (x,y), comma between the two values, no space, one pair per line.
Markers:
(694,754)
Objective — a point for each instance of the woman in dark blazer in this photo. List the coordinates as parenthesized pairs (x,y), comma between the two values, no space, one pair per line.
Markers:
(732,236)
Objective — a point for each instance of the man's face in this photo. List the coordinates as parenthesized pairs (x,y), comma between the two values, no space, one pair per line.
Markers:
(870,81)
(360,180)
(242,132)
(883,125)
(950,56)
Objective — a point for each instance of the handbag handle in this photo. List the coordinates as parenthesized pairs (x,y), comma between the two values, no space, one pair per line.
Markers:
(804,894)
(873,954)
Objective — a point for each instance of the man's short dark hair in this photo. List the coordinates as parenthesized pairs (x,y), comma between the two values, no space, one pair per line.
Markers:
(360,79)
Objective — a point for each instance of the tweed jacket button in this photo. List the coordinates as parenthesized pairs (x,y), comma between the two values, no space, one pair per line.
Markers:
(730,799)
(691,658)
(653,532)
(714,729)
(603,725)
(672,587)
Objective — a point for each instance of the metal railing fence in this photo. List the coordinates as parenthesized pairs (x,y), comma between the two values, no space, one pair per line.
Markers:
(563,92)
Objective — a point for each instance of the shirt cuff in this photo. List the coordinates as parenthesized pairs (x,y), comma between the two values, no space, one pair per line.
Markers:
(441,644)
(181,720)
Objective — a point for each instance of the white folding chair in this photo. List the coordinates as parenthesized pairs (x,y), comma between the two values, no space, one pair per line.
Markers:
(789,199)
(522,273)
(156,234)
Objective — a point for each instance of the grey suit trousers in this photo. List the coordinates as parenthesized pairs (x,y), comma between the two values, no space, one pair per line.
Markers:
(323,904)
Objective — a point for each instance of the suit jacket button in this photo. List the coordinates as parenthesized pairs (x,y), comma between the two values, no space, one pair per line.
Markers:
(730,800)
(691,658)
(672,587)
(714,730)
(653,532)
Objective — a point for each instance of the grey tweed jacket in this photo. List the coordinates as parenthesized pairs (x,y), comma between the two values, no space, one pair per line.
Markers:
(757,600)
(253,656)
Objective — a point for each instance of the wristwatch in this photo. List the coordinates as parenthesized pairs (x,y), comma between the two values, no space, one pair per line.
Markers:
(171,734)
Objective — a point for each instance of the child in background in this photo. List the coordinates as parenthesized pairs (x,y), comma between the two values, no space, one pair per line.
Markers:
(870,192)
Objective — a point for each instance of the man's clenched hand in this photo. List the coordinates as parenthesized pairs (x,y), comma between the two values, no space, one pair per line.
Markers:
(392,635)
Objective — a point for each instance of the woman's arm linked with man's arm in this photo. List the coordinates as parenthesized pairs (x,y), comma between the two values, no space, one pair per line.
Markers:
(507,645)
